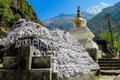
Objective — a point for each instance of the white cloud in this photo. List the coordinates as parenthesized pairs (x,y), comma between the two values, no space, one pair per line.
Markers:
(98,8)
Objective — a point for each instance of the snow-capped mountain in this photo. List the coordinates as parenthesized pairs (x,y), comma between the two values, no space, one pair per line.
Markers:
(98,8)
(99,24)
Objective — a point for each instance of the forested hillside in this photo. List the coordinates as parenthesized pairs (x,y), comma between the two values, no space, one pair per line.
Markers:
(13,10)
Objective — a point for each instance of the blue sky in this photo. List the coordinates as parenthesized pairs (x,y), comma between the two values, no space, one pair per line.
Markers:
(48,8)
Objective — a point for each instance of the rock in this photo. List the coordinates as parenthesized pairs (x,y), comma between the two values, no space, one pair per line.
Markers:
(82,76)
(117,78)
(68,56)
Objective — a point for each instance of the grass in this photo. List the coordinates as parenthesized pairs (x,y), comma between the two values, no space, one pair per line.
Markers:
(98,77)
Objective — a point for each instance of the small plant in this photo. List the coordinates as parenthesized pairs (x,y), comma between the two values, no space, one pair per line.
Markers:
(98,77)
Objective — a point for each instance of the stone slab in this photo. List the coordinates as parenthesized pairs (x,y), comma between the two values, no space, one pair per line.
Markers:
(24,57)
(25,75)
(9,62)
(8,75)
(41,62)
(39,75)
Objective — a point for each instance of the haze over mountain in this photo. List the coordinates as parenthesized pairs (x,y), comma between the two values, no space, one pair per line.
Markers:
(65,21)
(99,24)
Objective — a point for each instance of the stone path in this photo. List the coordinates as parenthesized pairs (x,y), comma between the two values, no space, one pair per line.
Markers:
(107,77)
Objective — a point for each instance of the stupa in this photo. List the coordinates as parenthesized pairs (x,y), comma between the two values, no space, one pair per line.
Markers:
(82,33)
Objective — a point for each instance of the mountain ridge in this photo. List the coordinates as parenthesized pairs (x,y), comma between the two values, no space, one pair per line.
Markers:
(99,24)
(64,21)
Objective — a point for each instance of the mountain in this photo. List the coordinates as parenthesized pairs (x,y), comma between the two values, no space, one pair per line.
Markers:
(13,10)
(98,8)
(99,24)
(64,21)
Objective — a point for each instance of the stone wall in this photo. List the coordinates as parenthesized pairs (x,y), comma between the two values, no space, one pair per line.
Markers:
(26,67)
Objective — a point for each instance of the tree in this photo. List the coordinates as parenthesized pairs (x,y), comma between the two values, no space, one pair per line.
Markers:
(13,10)
(116,39)
(6,13)
(117,44)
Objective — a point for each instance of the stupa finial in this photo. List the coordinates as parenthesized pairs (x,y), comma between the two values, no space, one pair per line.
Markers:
(78,12)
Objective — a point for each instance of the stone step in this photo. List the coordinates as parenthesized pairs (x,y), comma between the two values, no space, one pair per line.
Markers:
(109,65)
(109,68)
(108,60)
(110,72)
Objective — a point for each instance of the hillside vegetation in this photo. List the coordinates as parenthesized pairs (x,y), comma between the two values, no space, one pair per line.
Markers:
(13,10)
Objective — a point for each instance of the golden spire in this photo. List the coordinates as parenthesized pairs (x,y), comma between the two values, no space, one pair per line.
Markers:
(78,12)
(79,21)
